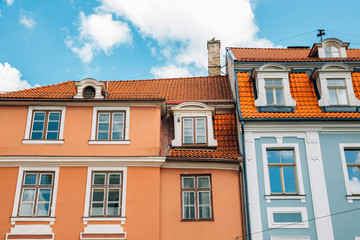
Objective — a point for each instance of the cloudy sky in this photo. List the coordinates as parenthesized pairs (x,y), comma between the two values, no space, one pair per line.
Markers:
(47,42)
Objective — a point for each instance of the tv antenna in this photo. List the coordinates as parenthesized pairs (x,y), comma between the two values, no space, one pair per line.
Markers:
(321,32)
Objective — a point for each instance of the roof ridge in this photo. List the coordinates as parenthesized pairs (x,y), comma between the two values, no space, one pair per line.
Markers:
(39,87)
(268,48)
(164,79)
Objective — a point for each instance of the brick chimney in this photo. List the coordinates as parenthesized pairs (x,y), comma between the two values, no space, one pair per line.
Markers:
(214,67)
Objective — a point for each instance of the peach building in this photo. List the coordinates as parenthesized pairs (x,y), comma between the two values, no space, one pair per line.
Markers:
(147,159)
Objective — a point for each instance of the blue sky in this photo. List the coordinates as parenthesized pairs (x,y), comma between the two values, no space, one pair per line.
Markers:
(46,42)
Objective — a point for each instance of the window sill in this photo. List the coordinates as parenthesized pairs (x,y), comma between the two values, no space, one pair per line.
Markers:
(104,219)
(339,108)
(268,198)
(31,141)
(121,142)
(32,219)
(197,220)
(351,198)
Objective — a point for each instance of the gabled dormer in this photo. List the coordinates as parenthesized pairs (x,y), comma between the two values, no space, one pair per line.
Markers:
(89,88)
(329,48)
(272,88)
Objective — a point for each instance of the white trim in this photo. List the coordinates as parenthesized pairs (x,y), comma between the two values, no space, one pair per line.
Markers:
(88,189)
(94,124)
(302,210)
(30,141)
(299,176)
(29,123)
(30,219)
(350,197)
(289,238)
(125,142)
(34,230)
(107,219)
(103,229)
(15,217)
(268,198)
(89,82)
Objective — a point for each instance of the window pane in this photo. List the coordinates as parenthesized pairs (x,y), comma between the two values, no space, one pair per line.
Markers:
(354,178)
(188,122)
(204,198)
(44,195)
(39,116)
(97,209)
(117,136)
(287,217)
(335,52)
(53,126)
(289,179)
(118,117)
(340,82)
(351,156)
(98,195)
(114,195)
(189,198)
(273,156)
(331,82)
(269,82)
(275,179)
(117,126)
(26,209)
(188,183)
(112,209)
(28,195)
(333,99)
(114,179)
(104,126)
(36,135)
(279,96)
(188,140)
(54,116)
(42,209)
(104,117)
(103,136)
(99,179)
(327,52)
(200,139)
(342,96)
(189,212)
(269,96)
(203,182)
(30,178)
(52,135)
(188,131)
(204,212)
(287,156)
(277,82)
(200,123)
(38,126)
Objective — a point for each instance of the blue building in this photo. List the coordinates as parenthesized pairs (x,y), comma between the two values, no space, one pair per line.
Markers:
(299,125)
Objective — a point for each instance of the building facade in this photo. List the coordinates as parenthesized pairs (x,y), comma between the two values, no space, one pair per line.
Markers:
(299,125)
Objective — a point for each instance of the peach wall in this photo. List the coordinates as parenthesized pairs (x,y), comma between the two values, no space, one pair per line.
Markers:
(226,207)
(144,134)
(8,180)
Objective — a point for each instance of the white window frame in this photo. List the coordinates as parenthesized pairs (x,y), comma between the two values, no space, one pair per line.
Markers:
(295,148)
(29,122)
(126,140)
(195,110)
(272,71)
(301,210)
(122,217)
(290,238)
(343,146)
(15,218)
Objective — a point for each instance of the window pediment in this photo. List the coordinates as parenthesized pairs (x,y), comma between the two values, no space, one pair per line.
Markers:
(89,88)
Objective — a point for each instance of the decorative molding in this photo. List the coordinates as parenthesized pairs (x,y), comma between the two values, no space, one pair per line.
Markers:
(38,231)
(89,82)
(31,141)
(302,210)
(107,231)
(109,142)
(51,220)
(268,198)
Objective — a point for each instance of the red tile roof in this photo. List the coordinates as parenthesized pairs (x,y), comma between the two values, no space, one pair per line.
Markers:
(302,90)
(187,89)
(225,134)
(287,55)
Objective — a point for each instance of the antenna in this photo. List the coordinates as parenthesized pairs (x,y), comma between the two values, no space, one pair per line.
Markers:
(321,32)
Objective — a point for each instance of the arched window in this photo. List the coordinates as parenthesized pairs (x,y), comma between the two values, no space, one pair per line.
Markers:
(89,92)
(332,51)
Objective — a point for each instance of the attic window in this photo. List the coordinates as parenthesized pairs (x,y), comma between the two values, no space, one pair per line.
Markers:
(332,51)
(89,93)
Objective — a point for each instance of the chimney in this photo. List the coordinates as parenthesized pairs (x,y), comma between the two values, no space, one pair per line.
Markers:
(214,67)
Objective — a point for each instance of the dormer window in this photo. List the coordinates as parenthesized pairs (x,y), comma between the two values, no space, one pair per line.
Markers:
(274,92)
(89,88)
(331,51)
(271,81)
(329,48)
(89,92)
(337,91)
(193,125)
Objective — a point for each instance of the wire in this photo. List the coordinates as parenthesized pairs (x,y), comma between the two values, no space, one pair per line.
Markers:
(293,36)
(312,219)
(343,33)
(128,78)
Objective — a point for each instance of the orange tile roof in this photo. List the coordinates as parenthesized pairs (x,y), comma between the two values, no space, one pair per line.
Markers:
(286,55)
(225,134)
(302,91)
(187,89)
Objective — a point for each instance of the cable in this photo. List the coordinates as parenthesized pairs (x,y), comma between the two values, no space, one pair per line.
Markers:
(344,33)
(293,36)
(128,78)
(312,219)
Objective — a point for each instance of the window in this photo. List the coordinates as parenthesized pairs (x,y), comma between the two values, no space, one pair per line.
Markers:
(36,194)
(332,51)
(110,126)
(194,134)
(89,92)
(287,217)
(106,194)
(196,197)
(352,157)
(274,92)
(282,174)
(45,125)
(337,91)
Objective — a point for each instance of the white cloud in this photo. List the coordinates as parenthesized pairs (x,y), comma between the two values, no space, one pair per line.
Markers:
(9,2)
(182,28)
(170,71)
(10,79)
(26,20)
(99,32)
(355,185)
